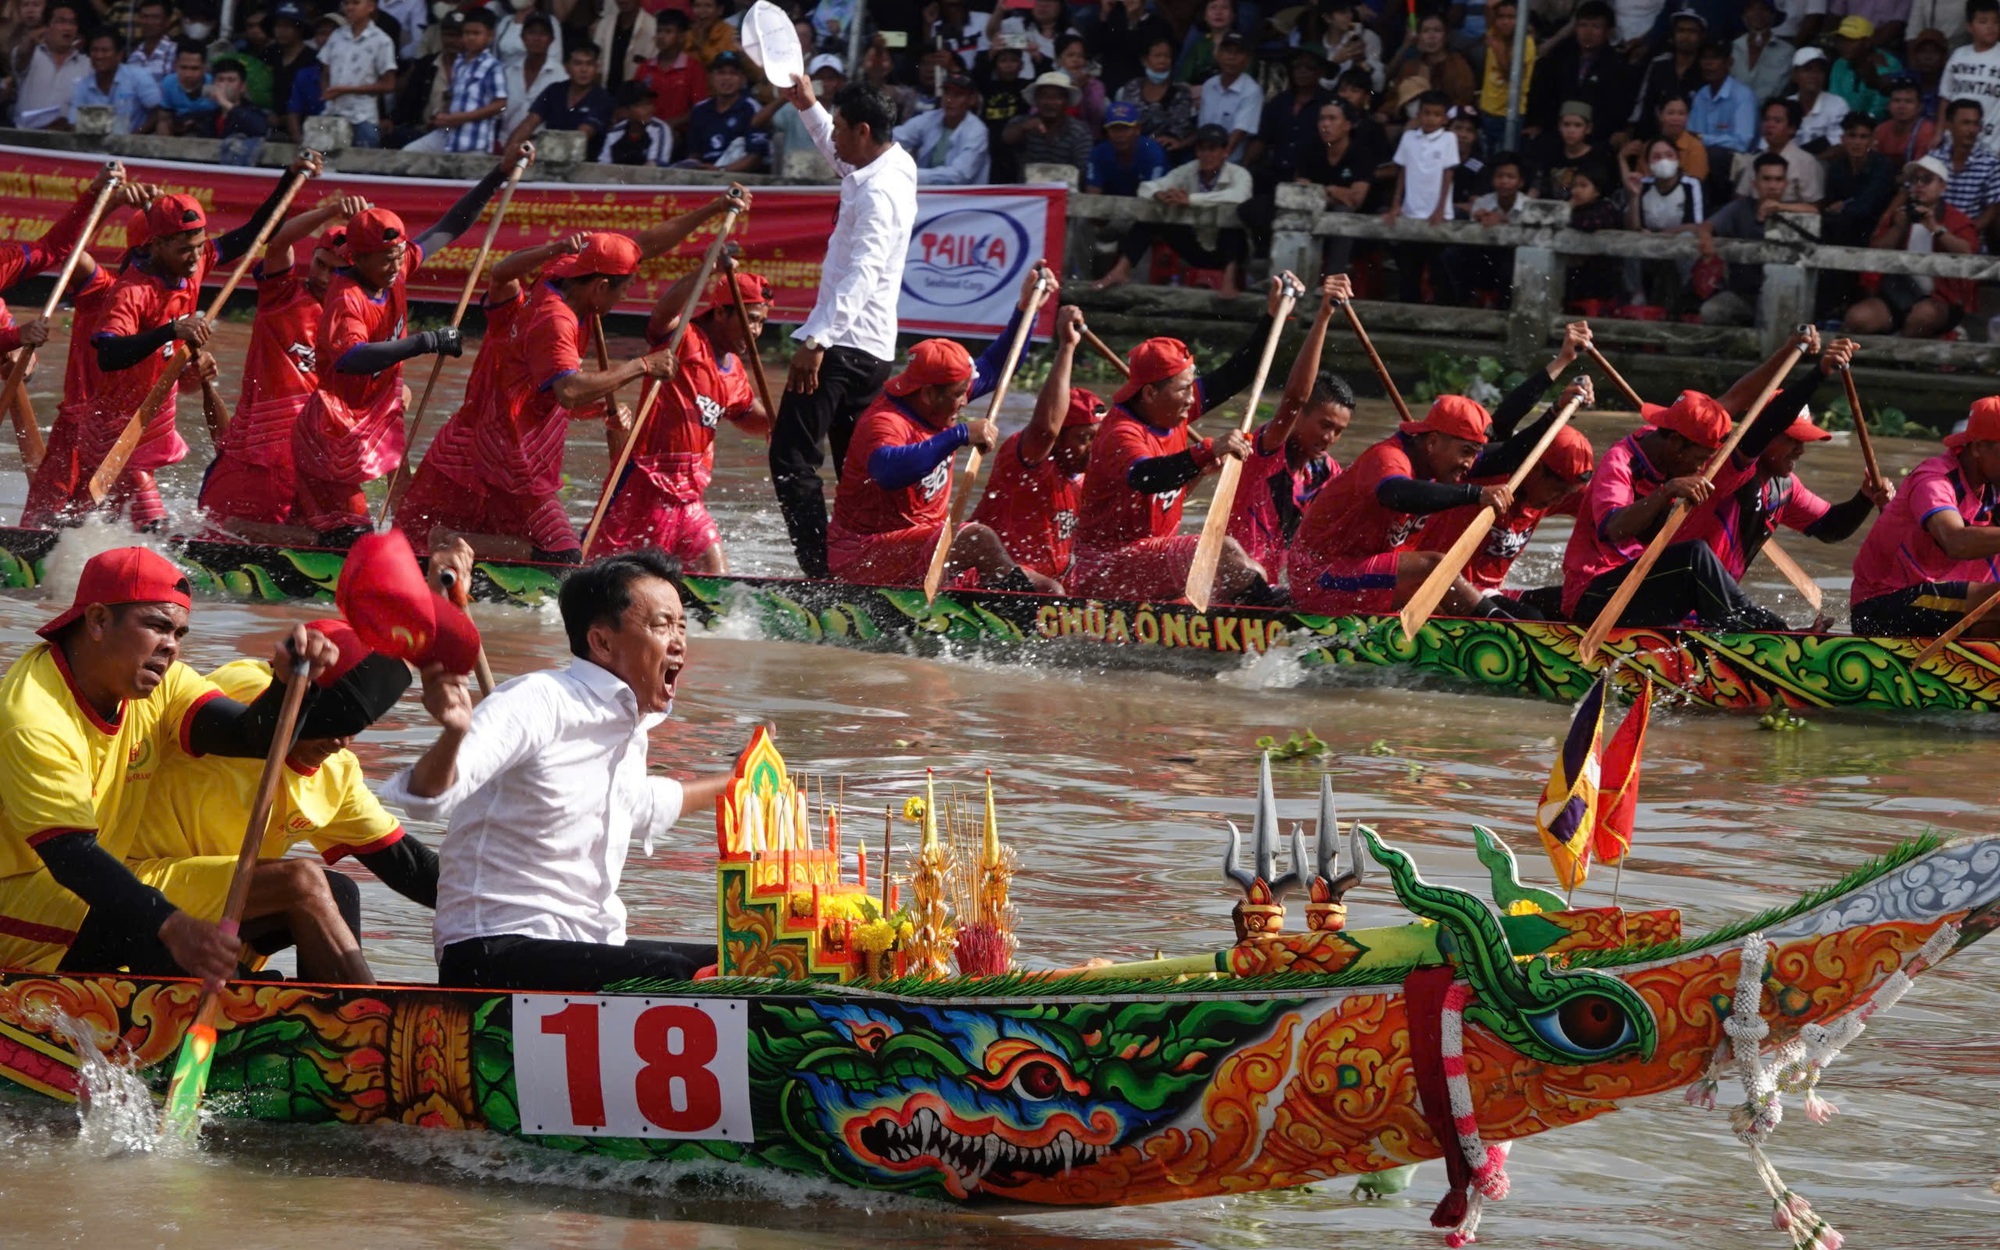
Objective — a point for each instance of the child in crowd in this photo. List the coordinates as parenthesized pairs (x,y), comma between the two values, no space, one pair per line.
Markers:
(1425,160)
(642,138)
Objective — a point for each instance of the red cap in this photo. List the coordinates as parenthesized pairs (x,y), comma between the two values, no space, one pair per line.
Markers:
(383,595)
(1154,360)
(1454,415)
(124,575)
(1569,457)
(1085,408)
(1982,424)
(1803,429)
(374,230)
(138,230)
(612,255)
(753,286)
(1695,417)
(334,239)
(933,362)
(174,214)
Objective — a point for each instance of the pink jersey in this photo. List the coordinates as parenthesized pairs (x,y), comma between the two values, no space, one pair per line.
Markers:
(1899,552)
(1746,509)
(1624,476)
(1272,498)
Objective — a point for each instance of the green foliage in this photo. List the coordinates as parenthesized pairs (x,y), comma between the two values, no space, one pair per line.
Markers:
(1784,720)
(1297,747)
(1882,422)
(1480,377)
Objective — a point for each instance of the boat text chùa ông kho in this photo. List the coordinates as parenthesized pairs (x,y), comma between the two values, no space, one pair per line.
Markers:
(898,1044)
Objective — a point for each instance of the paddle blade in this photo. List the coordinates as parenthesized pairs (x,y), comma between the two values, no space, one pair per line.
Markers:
(940,556)
(1607,620)
(1782,561)
(1431,593)
(1214,528)
(183,1113)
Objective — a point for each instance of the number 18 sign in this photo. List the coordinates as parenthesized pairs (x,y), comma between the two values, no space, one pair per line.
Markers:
(632,1066)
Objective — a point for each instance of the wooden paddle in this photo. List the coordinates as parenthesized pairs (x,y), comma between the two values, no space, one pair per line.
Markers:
(481,670)
(1432,592)
(1870,467)
(962,497)
(1375,358)
(13,395)
(399,481)
(708,259)
(1214,526)
(1098,345)
(128,438)
(1593,638)
(183,1117)
(1781,559)
(1958,627)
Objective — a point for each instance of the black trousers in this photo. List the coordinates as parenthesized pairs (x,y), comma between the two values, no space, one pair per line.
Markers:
(1230,245)
(514,962)
(1689,579)
(849,380)
(103,944)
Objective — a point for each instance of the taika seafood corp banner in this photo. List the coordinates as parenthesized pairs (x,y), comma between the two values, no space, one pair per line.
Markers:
(968,255)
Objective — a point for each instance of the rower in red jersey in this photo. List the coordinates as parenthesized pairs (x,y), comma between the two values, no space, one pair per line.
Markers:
(1128,543)
(659,500)
(250,482)
(25,260)
(351,429)
(1032,498)
(1290,455)
(893,501)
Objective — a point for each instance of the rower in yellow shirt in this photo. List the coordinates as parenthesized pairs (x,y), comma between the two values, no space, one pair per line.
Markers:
(86,718)
(198,805)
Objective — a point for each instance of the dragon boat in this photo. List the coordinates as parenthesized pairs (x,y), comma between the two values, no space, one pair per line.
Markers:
(836,1040)
(1698,668)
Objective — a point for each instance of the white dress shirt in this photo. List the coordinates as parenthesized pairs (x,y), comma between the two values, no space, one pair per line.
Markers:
(861,280)
(47,88)
(551,788)
(946,159)
(1233,106)
(522,94)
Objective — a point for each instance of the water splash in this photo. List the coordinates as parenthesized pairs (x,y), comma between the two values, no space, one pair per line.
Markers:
(98,533)
(116,1112)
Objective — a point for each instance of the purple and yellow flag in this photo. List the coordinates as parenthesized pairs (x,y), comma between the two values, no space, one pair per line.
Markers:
(1568,811)
(1618,801)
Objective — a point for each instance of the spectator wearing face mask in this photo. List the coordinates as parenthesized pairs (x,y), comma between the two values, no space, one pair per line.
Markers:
(1660,198)
(1166,108)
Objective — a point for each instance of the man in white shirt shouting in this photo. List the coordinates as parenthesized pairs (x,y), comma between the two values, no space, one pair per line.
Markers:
(848,344)
(545,785)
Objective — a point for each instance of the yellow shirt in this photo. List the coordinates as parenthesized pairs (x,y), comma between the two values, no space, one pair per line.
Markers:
(62,768)
(1493,83)
(200,803)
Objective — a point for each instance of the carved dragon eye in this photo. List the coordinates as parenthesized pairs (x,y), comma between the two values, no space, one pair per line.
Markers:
(1037,1080)
(1588,1026)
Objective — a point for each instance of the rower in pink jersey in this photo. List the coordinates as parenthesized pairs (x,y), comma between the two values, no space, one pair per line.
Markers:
(250,483)
(1935,552)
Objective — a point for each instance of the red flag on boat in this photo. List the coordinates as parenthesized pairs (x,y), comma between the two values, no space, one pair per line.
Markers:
(1618,787)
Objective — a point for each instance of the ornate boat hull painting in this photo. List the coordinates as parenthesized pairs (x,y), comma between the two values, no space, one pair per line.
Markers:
(1046,1088)
(1731,671)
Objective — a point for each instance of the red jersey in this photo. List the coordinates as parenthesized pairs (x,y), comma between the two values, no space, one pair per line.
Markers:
(278,374)
(520,449)
(90,300)
(863,507)
(455,451)
(1346,522)
(1033,507)
(677,88)
(352,317)
(678,454)
(23,260)
(1504,542)
(1112,513)
(140,301)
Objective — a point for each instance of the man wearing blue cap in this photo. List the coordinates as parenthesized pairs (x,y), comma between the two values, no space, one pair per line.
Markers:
(1124,158)
(949,144)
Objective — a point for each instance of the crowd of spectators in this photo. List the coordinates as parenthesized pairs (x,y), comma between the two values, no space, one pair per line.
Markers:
(1715,118)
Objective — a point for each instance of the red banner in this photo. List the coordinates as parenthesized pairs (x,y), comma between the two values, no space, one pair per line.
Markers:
(967,259)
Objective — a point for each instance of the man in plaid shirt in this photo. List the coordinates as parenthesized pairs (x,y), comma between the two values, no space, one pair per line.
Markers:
(1974,185)
(478,95)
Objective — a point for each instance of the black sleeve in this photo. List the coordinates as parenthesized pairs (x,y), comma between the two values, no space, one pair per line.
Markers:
(222,726)
(1501,459)
(375,357)
(459,218)
(1224,382)
(409,868)
(115,352)
(1841,520)
(1519,403)
(96,876)
(1778,415)
(232,245)
(1407,494)
(1156,475)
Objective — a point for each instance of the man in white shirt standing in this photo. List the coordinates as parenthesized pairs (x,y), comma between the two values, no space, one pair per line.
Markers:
(1232,99)
(848,344)
(949,144)
(360,61)
(545,785)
